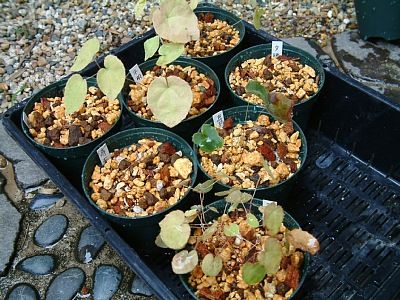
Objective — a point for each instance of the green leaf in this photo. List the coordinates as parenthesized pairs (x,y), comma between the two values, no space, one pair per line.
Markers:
(231,229)
(193,4)
(252,220)
(169,99)
(111,78)
(237,197)
(139,8)
(159,242)
(86,54)
(273,218)
(184,262)
(227,192)
(256,88)
(253,273)
(214,209)
(151,47)
(209,232)
(175,21)
(204,187)
(280,107)
(175,232)
(271,256)
(258,13)
(75,93)
(191,215)
(169,52)
(211,265)
(208,138)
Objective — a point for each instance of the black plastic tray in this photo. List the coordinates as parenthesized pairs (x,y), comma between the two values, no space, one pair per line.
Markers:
(347,195)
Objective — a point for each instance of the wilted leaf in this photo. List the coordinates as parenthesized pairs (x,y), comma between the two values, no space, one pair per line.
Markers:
(111,78)
(258,12)
(209,231)
(175,21)
(169,52)
(303,240)
(211,265)
(237,197)
(204,187)
(184,262)
(256,88)
(175,232)
(208,138)
(139,8)
(159,242)
(253,273)
(231,229)
(86,54)
(151,46)
(280,107)
(75,93)
(271,256)
(273,218)
(191,215)
(193,4)
(169,99)
(252,220)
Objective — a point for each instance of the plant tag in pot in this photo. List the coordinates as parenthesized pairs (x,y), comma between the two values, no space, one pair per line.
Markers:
(103,153)
(277,48)
(136,73)
(218,119)
(25,119)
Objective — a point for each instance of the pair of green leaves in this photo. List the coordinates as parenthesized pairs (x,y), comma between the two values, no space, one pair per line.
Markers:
(168,52)
(110,79)
(277,104)
(208,138)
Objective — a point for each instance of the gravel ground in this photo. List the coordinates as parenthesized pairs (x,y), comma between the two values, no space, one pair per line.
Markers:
(39,38)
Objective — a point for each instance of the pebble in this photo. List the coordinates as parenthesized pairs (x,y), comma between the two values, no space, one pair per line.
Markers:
(51,230)
(90,242)
(38,265)
(66,285)
(106,282)
(22,291)
(140,287)
(41,62)
(44,201)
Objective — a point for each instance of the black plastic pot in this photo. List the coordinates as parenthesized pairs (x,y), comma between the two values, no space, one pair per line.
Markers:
(278,192)
(302,110)
(377,18)
(71,158)
(140,231)
(188,126)
(288,221)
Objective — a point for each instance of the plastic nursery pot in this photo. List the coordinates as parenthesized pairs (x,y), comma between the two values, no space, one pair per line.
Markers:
(279,192)
(70,159)
(188,126)
(219,61)
(302,110)
(288,221)
(139,231)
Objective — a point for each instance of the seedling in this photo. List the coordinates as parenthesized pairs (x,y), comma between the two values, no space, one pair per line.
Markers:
(208,138)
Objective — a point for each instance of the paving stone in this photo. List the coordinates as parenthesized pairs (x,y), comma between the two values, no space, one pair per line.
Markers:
(66,285)
(9,229)
(28,174)
(140,287)
(22,291)
(44,201)
(90,242)
(38,265)
(106,282)
(9,148)
(51,230)
(2,183)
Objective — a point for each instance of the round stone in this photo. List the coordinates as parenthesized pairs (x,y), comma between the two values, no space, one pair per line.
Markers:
(106,282)
(38,265)
(22,291)
(90,242)
(44,201)
(66,285)
(51,230)
(140,287)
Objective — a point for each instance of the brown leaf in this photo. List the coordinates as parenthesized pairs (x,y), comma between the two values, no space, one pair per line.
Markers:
(267,152)
(303,240)
(206,293)
(292,277)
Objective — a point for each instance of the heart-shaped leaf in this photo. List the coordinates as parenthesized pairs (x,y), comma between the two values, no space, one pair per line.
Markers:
(75,93)
(169,99)
(256,88)
(252,220)
(139,8)
(175,21)
(86,54)
(111,79)
(273,218)
(271,256)
(208,138)
(169,52)
(258,12)
(253,273)
(159,242)
(151,46)
(281,107)
(211,265)
(184,262)
(231,229)
(303,240)
(237,197)
(175,232)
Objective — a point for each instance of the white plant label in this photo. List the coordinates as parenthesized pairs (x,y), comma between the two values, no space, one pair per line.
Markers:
(268,202)
(103,153)
(136,73)
(277,48)
(218,119)
(25,119)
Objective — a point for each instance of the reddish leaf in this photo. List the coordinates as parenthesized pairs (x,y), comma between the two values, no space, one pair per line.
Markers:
(281,107)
